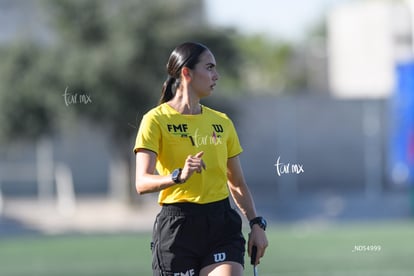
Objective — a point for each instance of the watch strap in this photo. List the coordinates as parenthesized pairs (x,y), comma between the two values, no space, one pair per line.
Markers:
(259,221)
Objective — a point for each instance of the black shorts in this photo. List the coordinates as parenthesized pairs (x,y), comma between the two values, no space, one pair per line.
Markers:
(188,237)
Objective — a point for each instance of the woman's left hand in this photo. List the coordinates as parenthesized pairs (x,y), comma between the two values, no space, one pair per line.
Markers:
(257,237)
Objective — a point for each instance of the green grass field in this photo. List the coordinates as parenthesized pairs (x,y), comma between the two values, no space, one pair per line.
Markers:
(295,250)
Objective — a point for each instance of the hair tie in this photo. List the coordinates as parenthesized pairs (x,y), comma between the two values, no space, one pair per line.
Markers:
(171,79)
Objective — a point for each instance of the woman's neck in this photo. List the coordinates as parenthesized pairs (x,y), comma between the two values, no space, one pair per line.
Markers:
(185,104)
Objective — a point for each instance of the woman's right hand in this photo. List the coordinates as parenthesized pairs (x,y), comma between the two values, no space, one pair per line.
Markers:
(193,163)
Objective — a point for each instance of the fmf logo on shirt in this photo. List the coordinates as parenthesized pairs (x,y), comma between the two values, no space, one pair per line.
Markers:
(181,128)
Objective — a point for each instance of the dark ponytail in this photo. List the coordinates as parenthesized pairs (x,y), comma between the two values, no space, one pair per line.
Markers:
(184,55)
(167,90)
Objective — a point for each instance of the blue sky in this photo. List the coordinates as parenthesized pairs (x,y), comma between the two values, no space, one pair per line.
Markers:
(288,19)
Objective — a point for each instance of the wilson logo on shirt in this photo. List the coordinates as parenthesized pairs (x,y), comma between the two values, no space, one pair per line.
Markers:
(218,128)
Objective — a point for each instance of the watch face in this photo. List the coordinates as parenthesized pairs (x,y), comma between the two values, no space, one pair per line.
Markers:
(264,223)
(175,174)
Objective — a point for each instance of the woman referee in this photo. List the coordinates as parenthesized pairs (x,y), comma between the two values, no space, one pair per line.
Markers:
(195,150)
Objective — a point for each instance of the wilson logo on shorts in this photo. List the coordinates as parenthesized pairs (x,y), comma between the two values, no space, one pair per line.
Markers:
(219,257)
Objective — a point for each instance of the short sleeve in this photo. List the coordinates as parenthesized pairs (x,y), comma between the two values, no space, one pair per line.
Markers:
(233,144)
(149,135)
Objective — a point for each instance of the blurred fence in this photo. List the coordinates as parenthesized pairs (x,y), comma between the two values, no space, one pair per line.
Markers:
(341,145)
(320,157)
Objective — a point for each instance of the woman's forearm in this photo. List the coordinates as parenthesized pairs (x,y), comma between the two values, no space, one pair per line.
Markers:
(151,183)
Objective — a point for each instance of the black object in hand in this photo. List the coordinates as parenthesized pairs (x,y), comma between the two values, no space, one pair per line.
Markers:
(253,255)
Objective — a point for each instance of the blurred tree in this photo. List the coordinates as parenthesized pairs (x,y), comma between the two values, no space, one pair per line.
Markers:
(112,52)
(29,108)
(269,67)
(314,49)
(117,50)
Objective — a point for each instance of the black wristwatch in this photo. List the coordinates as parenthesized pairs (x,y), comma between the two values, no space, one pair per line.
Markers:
(175,176)
(259,221)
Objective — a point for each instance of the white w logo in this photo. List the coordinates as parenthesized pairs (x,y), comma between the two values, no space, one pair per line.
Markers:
(219,257)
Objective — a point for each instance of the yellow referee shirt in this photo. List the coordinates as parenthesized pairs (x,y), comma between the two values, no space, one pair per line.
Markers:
(174,136)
